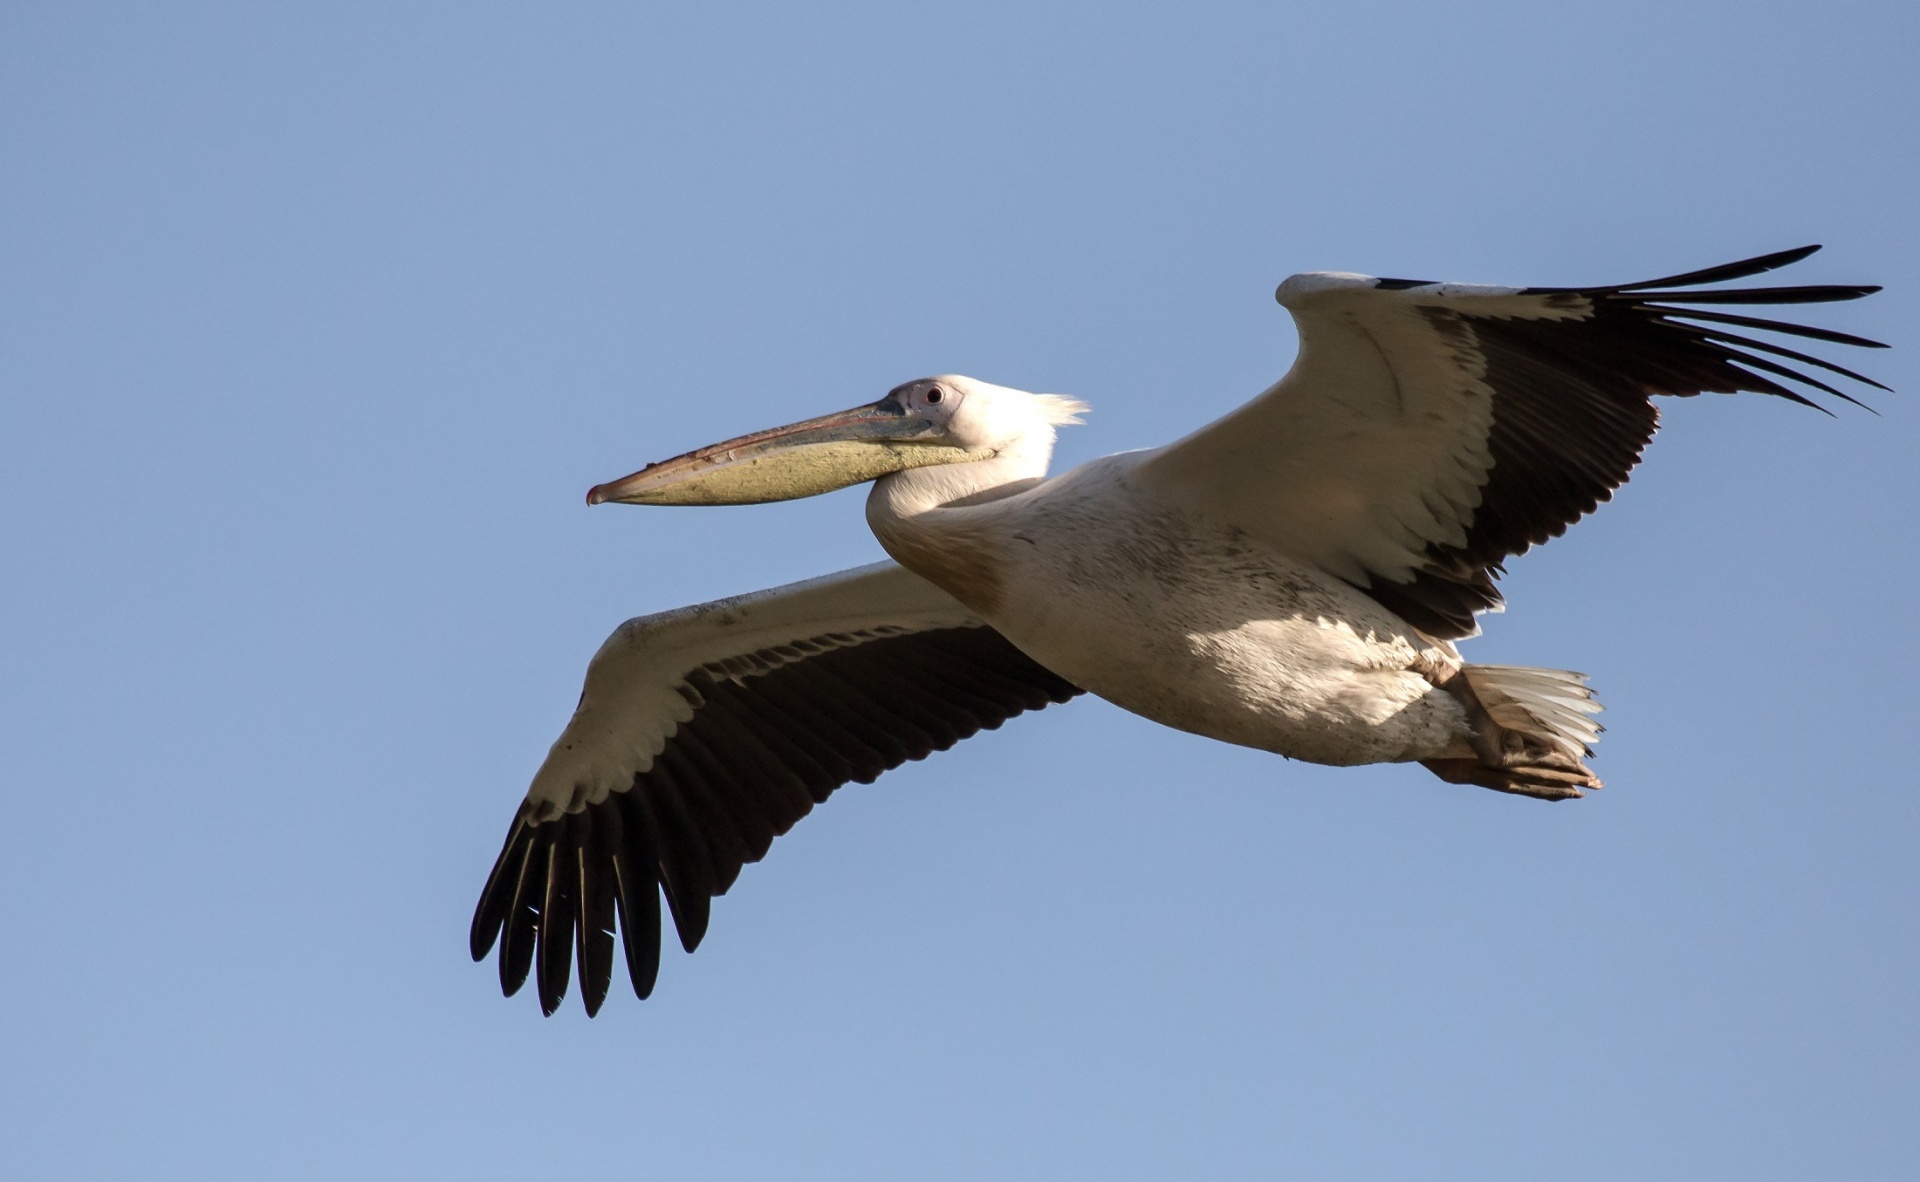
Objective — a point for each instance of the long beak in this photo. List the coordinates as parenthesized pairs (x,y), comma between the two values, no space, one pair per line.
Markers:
(786,463)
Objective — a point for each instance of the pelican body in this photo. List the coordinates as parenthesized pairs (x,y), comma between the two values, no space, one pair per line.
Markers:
(1291,578)
(1218,633)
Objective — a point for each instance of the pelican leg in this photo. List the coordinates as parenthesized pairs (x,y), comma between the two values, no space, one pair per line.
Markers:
(1535,780)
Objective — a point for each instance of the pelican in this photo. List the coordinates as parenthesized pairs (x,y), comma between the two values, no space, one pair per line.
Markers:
(1293,577)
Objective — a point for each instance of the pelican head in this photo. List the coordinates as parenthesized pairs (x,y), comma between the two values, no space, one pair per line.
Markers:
(940,420)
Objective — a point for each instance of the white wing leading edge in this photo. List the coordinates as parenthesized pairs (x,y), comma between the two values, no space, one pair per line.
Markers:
(1429,431)
(704,733)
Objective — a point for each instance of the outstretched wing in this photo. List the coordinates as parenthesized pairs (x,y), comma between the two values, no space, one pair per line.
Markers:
(1429,431)
(704,733)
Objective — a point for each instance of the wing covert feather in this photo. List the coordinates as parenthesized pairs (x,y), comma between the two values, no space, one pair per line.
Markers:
(1428,431)
(703,734)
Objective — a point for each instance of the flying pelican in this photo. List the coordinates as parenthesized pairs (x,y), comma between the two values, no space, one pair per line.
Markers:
(1292,578)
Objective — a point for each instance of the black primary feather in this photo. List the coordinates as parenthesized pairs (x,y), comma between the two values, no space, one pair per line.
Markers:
(767,741)
(1573,409)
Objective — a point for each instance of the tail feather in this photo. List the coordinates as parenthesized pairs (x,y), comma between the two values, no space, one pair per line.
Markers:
(1551,705)
(1531,730)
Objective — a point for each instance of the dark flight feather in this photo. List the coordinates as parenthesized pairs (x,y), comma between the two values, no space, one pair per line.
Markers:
(1573,410)
(767,741)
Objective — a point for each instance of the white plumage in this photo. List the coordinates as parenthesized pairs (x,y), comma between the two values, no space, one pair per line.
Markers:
(1292,577)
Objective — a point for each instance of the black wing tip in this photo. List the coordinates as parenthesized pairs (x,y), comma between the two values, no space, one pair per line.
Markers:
(490,911)
(553,960)
(691,915)
(564,890)
(482,936)
(1812,293)
(1670,304)
(1734,339)
(1786,258)
(1725,272)
(530,913)
(1784,327)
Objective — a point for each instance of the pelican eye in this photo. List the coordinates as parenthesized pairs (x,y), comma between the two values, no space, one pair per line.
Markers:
(934,395)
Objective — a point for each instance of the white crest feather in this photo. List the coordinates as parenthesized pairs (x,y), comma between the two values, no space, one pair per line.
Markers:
(1061,411)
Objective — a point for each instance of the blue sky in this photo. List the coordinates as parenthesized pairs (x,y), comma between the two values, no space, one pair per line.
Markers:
(316,325)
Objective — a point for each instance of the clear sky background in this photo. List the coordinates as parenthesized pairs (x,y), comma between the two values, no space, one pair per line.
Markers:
(316,325)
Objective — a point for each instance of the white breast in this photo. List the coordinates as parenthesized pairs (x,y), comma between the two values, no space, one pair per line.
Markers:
(1205,629)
